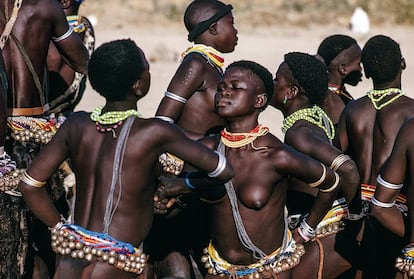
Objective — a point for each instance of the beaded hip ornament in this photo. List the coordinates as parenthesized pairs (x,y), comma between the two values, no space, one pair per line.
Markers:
(405,263)
(73,240)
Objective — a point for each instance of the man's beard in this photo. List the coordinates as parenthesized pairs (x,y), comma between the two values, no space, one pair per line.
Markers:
(353,78)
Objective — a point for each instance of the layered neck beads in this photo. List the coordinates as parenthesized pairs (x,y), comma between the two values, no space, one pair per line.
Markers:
(114,118)
(213,56)
(236,140)
(314,115)
(377,96)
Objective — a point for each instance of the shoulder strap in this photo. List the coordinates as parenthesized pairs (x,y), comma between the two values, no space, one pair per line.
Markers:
(26,58)
(10,23)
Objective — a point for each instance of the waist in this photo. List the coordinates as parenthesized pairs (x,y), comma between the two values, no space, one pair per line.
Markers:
(278,261)
(77,242)
(33,111)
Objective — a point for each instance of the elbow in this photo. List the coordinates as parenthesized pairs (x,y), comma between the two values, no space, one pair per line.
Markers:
(350,180)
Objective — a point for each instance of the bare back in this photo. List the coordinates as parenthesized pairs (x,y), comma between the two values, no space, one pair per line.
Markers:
(37,22)
(371,133)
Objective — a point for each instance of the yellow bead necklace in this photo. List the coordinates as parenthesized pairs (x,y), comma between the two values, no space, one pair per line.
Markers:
(376,96)
(314,115)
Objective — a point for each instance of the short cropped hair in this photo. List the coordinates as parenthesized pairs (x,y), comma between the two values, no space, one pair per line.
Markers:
(114,67)
(200,10)
(310,73)
(333,45)
(381,58)
(261,72)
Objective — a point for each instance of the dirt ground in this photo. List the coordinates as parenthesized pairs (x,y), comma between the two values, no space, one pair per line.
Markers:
(163,45)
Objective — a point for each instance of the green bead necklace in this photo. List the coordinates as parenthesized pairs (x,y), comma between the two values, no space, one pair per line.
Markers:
(112,117)
(314,115)
(376,96)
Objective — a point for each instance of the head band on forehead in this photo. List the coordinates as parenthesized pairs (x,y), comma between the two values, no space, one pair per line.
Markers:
(78,1)
(204,25)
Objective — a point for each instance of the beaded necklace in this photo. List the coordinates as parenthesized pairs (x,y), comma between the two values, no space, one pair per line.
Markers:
(213,56)
(114,118)
(377,96)
(314,115)
(236,140)
(339,90)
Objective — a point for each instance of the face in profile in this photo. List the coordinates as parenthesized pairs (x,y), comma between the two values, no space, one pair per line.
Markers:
(281,84)
(355,70)
(227,33)
(145,78)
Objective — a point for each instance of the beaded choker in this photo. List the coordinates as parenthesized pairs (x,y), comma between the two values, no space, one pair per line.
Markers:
(339,90)
(114,118)
(236,140)
(213,56)
(314,115)
(377,96)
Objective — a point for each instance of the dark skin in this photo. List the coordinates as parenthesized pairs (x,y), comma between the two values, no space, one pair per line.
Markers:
(397,169)
(261,176)
(197,81)
(36,24)
(92,154)
(342,65)
(369,139)
(55,61)
(312,141)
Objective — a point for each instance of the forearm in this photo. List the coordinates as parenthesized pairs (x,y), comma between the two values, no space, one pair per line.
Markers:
(37,199)
(391,218)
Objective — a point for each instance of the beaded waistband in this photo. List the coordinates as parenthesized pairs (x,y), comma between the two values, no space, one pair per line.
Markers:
(277,262)
(333,221)
(73,240)
(37,129)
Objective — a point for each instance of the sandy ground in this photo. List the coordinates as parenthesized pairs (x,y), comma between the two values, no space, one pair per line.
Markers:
(163,46)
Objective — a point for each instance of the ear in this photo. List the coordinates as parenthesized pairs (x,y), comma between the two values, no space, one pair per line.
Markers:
(342,69)
(212,29)
(403,63)
(292,92)
(137,88)
(261,100)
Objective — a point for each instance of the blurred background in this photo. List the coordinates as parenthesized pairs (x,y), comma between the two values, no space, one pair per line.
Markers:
(267,30)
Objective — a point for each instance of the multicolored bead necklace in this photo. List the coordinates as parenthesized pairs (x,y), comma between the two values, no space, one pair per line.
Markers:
(213,56)
(376,96)
(114,118)
(236,140)
(314,115)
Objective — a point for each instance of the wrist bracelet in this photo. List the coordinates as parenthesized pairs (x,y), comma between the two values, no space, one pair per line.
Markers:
(188,183)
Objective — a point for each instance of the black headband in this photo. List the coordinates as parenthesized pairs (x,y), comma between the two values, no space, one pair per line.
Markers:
(204,25)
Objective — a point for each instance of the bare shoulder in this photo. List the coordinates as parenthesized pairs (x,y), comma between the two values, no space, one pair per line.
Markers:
(195,62)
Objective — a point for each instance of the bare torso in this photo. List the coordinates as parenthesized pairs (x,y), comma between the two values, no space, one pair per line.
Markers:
(372,133)
(37,22)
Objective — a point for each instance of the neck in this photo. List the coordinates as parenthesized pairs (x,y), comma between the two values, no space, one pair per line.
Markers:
(381,86)
(119,106)
(241,126)
(295,105)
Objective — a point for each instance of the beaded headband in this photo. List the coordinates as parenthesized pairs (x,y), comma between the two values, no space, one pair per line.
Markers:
(204,25)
